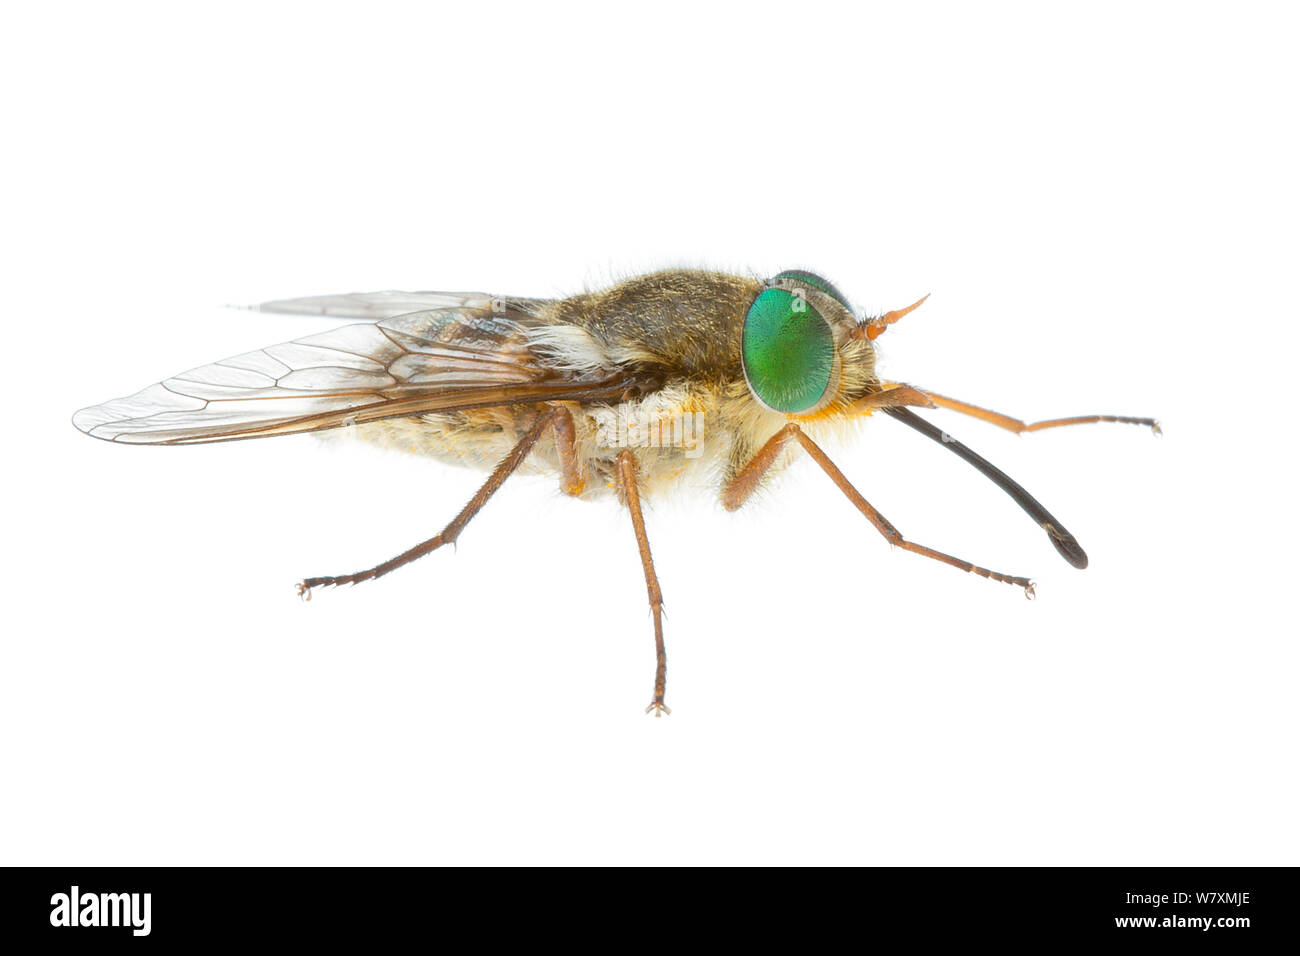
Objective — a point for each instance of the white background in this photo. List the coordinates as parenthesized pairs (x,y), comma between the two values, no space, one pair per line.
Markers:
(1103,204)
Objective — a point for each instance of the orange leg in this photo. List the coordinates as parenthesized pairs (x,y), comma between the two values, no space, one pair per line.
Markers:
(572,480)
(893,396)
(1020,427)
(743,484)
(627,468)
(450,533)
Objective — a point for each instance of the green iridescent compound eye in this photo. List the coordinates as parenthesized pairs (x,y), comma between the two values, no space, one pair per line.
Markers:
(817,282)
(787,351)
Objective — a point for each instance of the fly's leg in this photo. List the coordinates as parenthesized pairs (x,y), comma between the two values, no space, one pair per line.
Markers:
(572,479)
(746,481)
(1021,427)
(453,530)
(1066,545)
(626,471)
(894,396)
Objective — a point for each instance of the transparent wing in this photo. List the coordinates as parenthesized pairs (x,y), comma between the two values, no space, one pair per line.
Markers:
(378,305)
(439,360)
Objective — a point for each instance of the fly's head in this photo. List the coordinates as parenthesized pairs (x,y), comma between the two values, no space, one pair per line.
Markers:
(804,352)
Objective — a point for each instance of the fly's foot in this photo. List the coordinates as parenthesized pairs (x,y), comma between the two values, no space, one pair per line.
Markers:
(1030,594)
(658,708)
(307,585)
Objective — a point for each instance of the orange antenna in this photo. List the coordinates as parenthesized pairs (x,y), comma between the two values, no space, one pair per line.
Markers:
(874,328)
